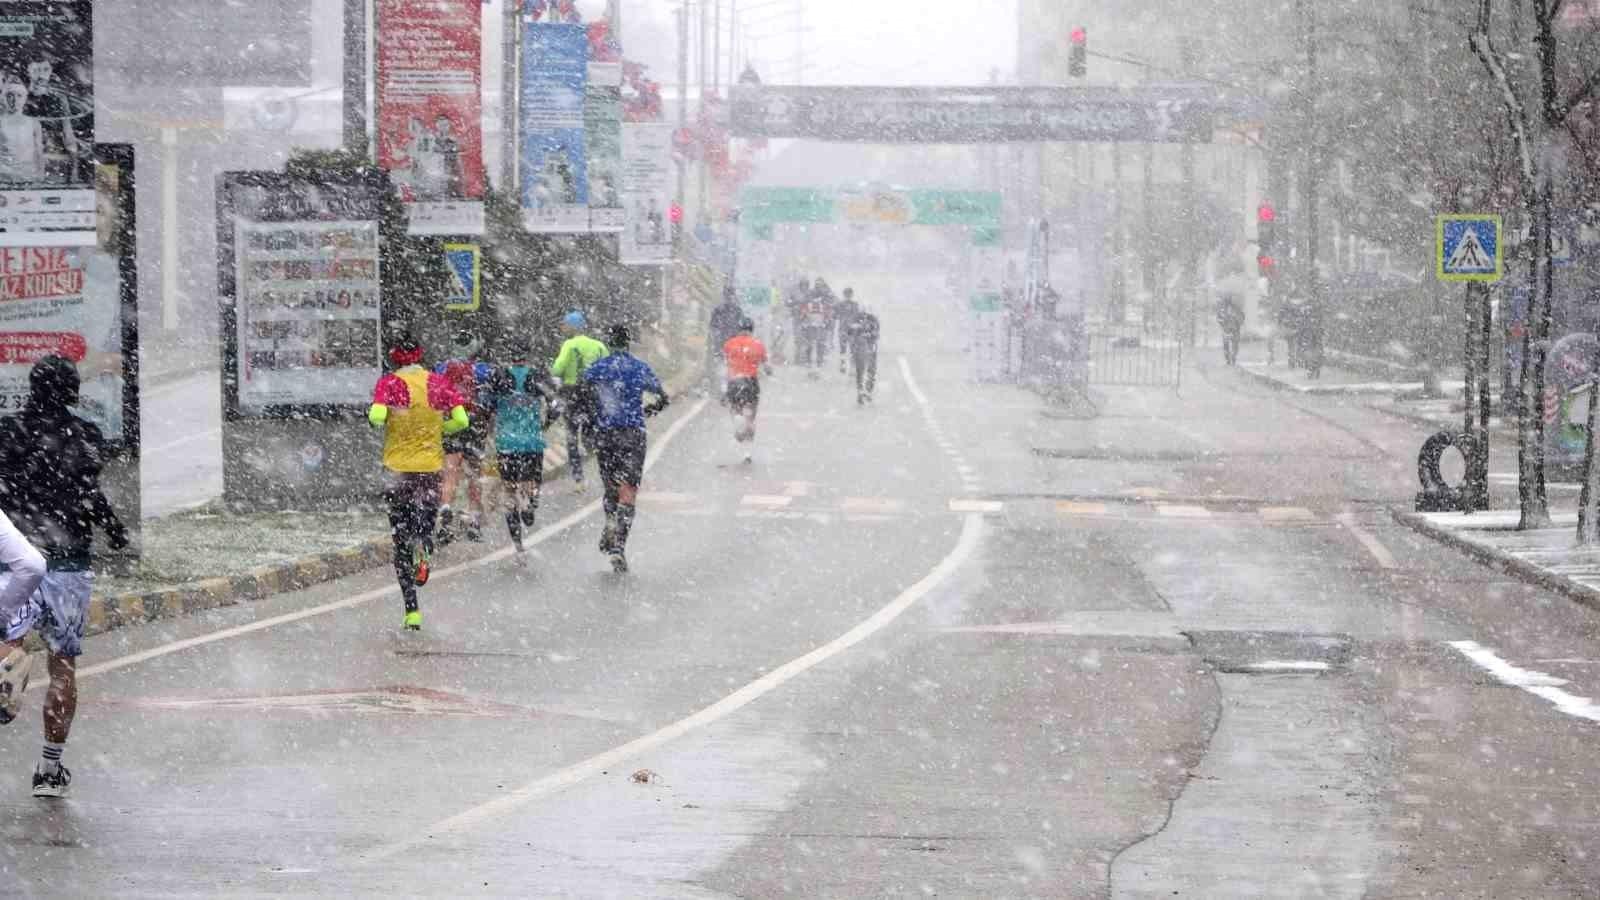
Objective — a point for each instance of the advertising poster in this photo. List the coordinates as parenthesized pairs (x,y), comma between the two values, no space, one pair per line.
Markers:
(430,117)
(647,193)
(602,135)
(308,313)
(554,161)
(464,290)
(46,124)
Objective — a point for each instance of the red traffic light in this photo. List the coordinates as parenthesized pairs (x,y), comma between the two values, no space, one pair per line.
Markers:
(1080,35)
(1265,213)
(1266,265)
(675,214)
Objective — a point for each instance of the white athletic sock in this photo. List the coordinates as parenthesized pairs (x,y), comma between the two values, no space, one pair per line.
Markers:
(50,759)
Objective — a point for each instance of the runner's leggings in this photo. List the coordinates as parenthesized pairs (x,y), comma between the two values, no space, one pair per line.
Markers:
(413,505)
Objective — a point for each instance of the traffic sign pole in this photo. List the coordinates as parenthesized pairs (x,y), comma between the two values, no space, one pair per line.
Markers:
(1469,248)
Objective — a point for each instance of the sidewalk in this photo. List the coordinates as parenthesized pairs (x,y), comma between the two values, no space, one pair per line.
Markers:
(1548,557)
(204,559)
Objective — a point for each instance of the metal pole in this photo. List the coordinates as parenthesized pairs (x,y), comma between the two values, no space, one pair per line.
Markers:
(355,76)
(510,49)
(716,47)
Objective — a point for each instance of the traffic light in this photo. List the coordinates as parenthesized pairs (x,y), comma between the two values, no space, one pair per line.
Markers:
(675,217)
(1078,60)
(1266,238)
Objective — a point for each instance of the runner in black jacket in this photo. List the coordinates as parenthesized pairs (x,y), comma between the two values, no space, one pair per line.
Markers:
(50,464)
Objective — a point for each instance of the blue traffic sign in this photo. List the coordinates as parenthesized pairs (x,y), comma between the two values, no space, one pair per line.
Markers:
(1469,248)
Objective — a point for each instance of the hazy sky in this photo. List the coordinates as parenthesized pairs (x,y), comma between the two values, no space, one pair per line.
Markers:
(849,41)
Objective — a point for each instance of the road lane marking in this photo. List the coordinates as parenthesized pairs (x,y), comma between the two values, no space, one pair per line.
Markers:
(1370,541)
(1075,508)
(1182,511)
(538,537)
(972,527)
(1286,514)
(561,779)
(977,506)
(766,501)
(1287,665)
(186,439)
(1546,687)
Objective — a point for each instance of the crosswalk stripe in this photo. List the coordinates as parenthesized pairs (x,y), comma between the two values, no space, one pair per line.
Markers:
(1286,514)
(767,501)
(1074,508)
(977,506)
(1182,511)
(872,505)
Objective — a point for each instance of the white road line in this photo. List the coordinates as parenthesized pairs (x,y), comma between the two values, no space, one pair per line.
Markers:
(766,501)
(1370,541)
(186,439)
(911,385)
(1182,511)
(977,506)
(971,531)
(538,537)
(1547,687)
(1287,665)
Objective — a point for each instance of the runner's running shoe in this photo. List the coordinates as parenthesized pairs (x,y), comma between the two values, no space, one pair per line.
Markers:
(619,563)
(51,784)
(608,539)
(414,620)
(422,558)
(14,672)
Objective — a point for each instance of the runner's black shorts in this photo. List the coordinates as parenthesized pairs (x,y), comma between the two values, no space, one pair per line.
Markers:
(620,453)
(522,468)
(471,443)
(744,393)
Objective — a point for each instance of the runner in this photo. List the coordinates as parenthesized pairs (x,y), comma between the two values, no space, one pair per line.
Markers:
(863,334)
(416,409)
(578,353)
(620,382)
(515,396)
(747,358)
(846,313)
(50,471)
(22,567)
(463,451)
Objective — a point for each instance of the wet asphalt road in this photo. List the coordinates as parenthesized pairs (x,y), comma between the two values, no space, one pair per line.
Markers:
(1177,650)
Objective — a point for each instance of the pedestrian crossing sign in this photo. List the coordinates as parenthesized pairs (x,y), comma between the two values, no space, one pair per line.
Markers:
(464,279)
(1469,248)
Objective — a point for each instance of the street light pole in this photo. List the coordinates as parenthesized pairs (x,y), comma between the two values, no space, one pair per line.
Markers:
(355,77)
(510,45)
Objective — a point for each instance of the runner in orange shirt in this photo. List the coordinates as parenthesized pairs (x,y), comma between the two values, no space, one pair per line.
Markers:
(747,359)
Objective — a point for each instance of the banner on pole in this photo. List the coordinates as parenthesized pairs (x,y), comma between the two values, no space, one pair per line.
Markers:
(430,111)
(647,193)
(554,163)
(46,124)
(602,137)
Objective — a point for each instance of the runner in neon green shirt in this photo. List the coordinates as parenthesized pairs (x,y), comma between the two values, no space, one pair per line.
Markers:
(578,353)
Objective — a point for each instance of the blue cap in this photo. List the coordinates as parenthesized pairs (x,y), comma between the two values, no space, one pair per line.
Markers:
(575,319)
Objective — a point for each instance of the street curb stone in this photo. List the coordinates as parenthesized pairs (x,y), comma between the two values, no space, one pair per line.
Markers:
(107,613)
(1504,562)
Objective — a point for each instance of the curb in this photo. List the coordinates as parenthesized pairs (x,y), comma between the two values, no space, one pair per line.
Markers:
(1331,390)
(1503,562)
(107,613)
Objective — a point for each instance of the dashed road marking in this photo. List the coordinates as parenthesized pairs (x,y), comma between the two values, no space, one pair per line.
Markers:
(1545,687)
(977,506)
(1182,511)
(766,501)
(1286,514)
(1074,508)
(1370,541)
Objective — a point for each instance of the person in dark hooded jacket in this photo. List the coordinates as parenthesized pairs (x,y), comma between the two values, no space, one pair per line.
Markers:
(50,462)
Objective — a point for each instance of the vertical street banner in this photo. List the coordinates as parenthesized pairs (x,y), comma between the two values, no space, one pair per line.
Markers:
(646,193)
(430,111)
(46,124)
(602,135)
(554,162)
(463,291)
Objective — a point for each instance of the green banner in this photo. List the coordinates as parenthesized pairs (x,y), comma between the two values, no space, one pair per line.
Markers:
(956,208)
(763,207)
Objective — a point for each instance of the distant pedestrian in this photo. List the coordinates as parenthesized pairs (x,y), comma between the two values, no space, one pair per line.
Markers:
(464,451)
(1230,318)
(578,353)
(620,382)
(863,334)
(50,462)
(725,319)
(844,315)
